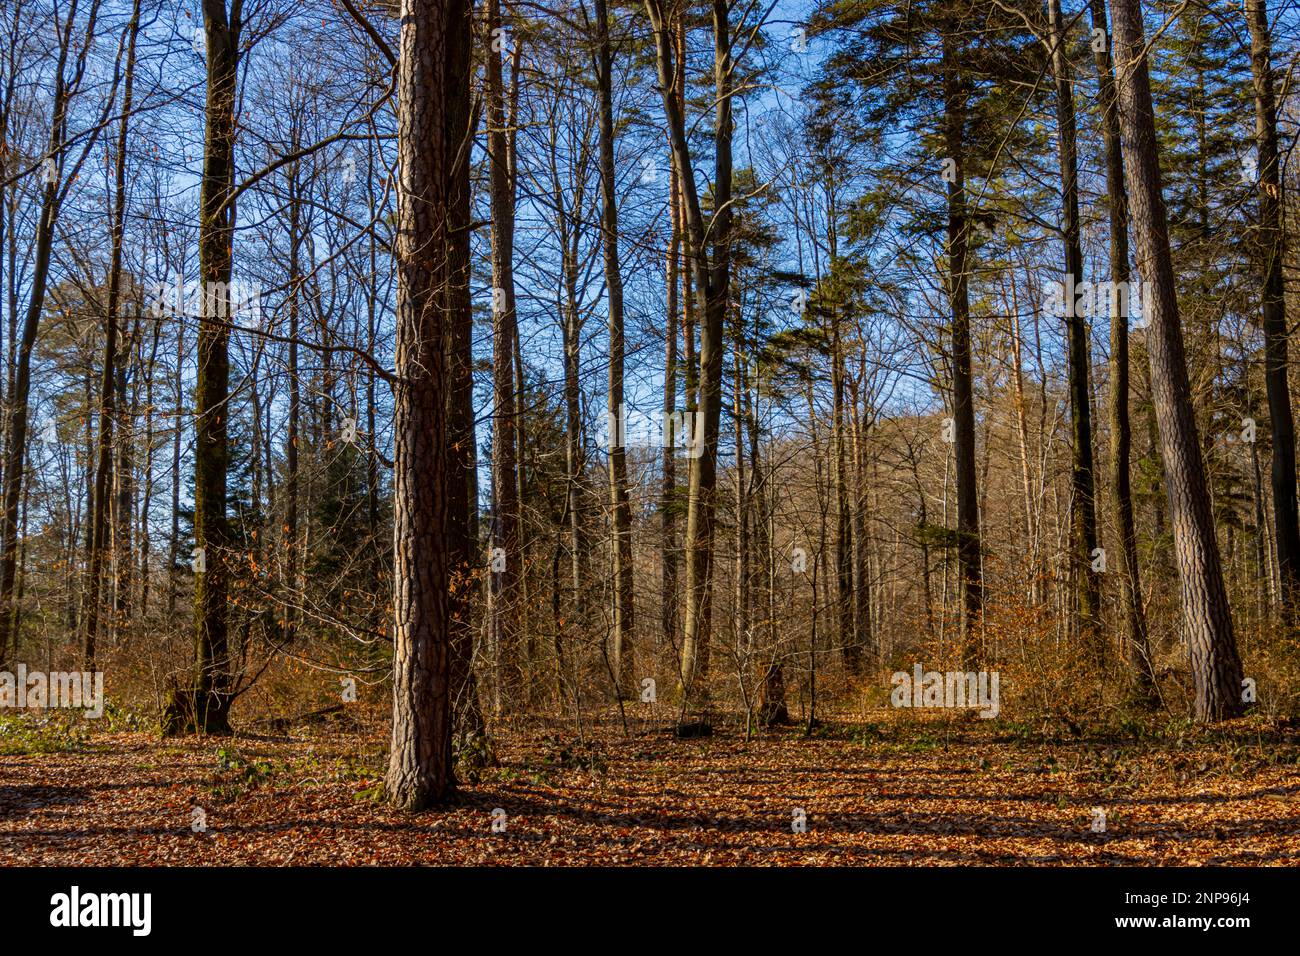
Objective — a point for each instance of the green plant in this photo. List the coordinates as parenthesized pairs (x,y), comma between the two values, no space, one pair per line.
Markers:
(51,732)
(236,774)
(119,719)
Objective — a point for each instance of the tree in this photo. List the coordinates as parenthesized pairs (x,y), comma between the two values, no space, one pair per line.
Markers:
(1083,527)
(1121,429)
(433,104)
(620,508)
(505,524)
(711,272)
(203,705)
(1207,620)
(97,542)
(956,104)
(1271,242)
(58,174)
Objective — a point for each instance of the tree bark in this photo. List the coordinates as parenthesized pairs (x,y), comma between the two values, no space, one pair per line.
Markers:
(619,505)
(1083,506)
(203,706)
(963,402)
(669,618)
(462,442)
(1272,247)
(1207,620)
(98,539)
(505,530)
(1141,665)
(433,137)
(712,275)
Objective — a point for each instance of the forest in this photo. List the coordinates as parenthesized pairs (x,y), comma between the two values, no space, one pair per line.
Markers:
(662,432)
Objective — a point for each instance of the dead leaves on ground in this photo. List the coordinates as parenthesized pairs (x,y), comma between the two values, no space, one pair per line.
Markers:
(867,799)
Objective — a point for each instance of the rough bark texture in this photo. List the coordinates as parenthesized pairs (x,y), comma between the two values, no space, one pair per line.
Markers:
(433,87)
(668,620)
(462,484)
(963,401)
(1271,250)
(1138,649)
(1207,622)
(505,530)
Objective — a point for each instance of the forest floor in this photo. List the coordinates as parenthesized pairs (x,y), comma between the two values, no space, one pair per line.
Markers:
(935,794)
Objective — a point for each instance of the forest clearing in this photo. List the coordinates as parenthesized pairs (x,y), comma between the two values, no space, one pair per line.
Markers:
(934,793)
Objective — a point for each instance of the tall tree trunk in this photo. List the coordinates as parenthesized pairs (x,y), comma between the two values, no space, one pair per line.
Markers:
(574,451)
(862,577)
(149,372)
(741,616)
(690,306)
(124,483)
(1083,505)
(98,539)
(851,646)
(21,366)
(1207,620)
(712,275)
(669,618)
(1141,665)
(620,508)
(433,130)
(771,706)
(204,706)
(963,402)
(178,419)
(462,442)
(1272,245)
(292,536)
(505,532)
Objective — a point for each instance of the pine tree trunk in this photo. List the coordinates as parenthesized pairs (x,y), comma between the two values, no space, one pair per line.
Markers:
(963,401)
(1207,620)
(505,531)
(433,131)
(462,487)
(1142,667)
